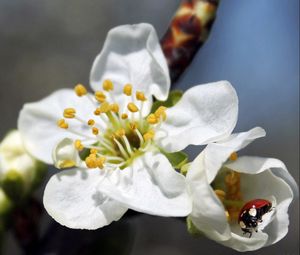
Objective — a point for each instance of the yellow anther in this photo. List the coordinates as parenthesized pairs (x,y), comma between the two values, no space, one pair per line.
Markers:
(80,90)
(233,186)
(233,156)
(227,216)
(127,90)
(108,85)
(160,113)
(93,151)
(152,119)
(91,122)
(97,111)
(62,124)
(120,132)
(133,125)
(114,108)
(132,107)
(90,161)
(220,194)
(69,113)
(67,164)
(124,116)
(78,145)
(100,97)
(95,131)
(100,162)
(149,135)
(104,107)
(140,96)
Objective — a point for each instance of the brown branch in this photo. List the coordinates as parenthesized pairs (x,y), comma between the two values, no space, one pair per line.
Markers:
(187,32)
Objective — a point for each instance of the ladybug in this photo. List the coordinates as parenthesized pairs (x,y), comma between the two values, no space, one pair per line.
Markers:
(251,214)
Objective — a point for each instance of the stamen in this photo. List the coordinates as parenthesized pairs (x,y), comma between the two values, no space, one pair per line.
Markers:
(127,90)
(100,97)
(152,119)
(95,131)
(93,151)
(160,113)
(124,116)
(233,201)
(114,108)
(233,156)
(108,85)
(140,96)
(120,132)
(91,122)
(149,135)
(78,145)
(104,107)
(69,113)
(80,90)
(97,111)
(62,124)
(90,161)
(220,194)
(132,107)
(122,150)
(227,216)
(139,136)
(100,162)
(127,144)
(67,164)
(133,125)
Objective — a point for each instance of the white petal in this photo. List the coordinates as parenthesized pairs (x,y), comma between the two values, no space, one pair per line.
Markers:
(215,154)
(65,154)
(205,113)
(254,165)
(243,243)
(149,185)
(71,197)
(208,213)
(37,122)
(132,54)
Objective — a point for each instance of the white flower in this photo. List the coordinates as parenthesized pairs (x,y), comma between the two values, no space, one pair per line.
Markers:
(112,140)
(221,183)
(16,162)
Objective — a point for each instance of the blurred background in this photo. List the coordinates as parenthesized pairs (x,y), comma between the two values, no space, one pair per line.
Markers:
(47,45)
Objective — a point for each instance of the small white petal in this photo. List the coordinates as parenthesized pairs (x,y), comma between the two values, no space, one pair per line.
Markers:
(254,165)
(208,213)
(72,198)
(216,154)
(37,122)
(205,113)
(132,54)
(65,154)
(149,185)
(244,243)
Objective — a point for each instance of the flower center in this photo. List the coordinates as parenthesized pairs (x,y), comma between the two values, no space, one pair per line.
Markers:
(118,135)
(229,192)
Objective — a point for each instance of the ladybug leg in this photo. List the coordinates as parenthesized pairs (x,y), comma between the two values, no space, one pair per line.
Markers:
(247,231)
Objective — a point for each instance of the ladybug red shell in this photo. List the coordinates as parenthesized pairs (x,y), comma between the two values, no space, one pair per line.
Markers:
(251,214)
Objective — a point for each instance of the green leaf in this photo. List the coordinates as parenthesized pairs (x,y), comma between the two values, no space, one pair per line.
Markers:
(173,98)
(177,159)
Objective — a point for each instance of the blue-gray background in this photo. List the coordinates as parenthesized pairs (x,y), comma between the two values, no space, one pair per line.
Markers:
(47,45)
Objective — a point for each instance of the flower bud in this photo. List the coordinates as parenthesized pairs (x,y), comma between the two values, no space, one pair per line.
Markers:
(20,173)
